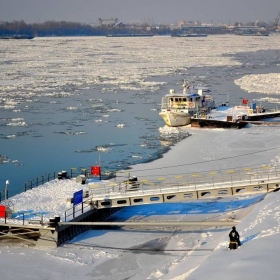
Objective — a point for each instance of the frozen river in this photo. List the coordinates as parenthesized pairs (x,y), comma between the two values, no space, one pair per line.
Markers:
(68,102)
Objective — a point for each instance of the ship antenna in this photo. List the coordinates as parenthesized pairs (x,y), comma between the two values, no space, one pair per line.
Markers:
(185,86)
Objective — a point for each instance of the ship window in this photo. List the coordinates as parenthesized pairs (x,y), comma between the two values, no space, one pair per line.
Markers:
(190,99)
(184,99)
(176,99)
(171,99)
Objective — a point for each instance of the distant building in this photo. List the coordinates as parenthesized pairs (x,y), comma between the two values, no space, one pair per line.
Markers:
(108,22)
(249,30)
(188,23)
(199,29)
(244,27)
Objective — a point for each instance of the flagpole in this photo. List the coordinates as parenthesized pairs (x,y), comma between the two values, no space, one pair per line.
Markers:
(100,167)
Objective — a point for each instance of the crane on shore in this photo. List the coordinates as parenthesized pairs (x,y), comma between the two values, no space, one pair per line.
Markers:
(276,21)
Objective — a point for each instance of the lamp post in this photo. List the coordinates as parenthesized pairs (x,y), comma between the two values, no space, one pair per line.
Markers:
(6,189)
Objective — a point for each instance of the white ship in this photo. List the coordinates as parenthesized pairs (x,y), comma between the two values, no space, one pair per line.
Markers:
(177,109)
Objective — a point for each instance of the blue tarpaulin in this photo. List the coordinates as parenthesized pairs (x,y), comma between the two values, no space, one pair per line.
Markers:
(78,197)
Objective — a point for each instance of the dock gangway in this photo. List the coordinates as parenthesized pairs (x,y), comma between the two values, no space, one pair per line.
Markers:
(183,187)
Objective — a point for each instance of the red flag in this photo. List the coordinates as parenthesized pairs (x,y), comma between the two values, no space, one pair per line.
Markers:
(95,170)
(245,101)
(2,211)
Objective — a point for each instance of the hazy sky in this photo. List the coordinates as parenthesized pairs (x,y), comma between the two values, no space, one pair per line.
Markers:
(164,11)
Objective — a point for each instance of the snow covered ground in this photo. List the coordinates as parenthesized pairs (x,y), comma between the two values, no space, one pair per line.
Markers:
(141,253)
(256,258)
(173,252)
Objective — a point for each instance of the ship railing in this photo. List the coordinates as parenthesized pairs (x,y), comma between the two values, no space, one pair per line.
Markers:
(263,104)
(182,105)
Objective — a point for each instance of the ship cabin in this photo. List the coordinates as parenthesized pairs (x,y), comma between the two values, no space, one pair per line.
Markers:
(188,102)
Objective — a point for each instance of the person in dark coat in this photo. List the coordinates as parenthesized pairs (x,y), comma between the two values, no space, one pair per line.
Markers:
(234,236)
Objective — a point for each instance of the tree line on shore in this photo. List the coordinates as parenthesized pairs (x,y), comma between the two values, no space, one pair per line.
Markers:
(63,28)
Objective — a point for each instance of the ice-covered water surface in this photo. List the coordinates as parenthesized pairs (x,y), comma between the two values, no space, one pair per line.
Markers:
(57,67)
(66,102)
(263,84)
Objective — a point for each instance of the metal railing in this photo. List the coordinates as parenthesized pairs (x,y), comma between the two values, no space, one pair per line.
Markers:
(21,218)
(74,172)
(29,185)
(3,195)
(196,181)
(77,210)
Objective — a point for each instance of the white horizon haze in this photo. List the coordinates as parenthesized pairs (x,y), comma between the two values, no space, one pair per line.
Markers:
(155,11)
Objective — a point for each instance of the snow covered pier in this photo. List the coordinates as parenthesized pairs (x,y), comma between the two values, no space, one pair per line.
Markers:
(50,215)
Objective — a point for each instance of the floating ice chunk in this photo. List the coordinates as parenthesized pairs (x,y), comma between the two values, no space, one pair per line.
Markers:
(143,144)
(70,133)
(268,99)
(8,107)
(17,124)
(72,108)
(121,125)
(171,130)
(102,149)
(17,119)
(137,157)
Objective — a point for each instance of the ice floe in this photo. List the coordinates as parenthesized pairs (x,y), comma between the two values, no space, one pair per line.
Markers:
(260,83)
